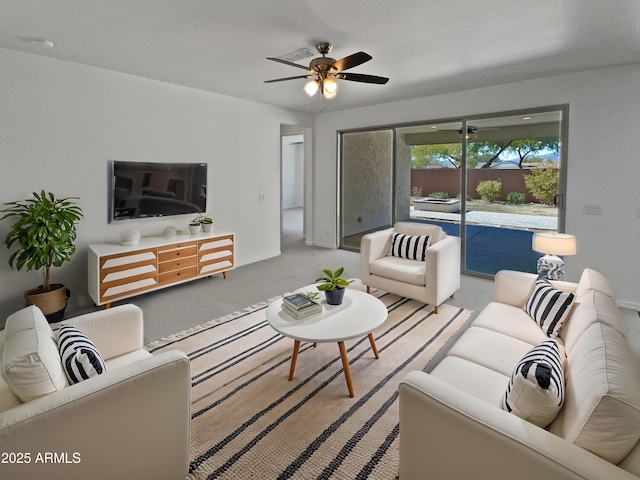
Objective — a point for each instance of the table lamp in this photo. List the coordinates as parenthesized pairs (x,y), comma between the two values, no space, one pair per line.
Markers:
(553,244)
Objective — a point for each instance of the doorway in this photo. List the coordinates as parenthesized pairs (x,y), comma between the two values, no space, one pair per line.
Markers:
(292,187)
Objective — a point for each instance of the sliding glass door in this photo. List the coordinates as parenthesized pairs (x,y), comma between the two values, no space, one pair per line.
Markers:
(492,180)
(512,189)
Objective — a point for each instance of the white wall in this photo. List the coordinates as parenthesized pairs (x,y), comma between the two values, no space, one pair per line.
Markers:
(292,171)
(603,163)
(61,122)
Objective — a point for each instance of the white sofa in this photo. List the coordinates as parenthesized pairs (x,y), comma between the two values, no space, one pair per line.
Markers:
(133,421)
(451,421)
(431,281)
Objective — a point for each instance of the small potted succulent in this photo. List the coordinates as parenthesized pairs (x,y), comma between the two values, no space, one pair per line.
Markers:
(194,226)
(207,223)
(333,286)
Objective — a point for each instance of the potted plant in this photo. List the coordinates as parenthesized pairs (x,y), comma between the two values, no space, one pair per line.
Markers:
(207,223)
(333,286)
(44,232)
(194,226)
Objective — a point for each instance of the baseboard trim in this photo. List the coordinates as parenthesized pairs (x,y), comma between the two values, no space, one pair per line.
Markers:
(631,305)
(258,259)
(324,245)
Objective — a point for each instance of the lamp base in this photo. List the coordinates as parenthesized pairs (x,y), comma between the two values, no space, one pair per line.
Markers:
(551,267)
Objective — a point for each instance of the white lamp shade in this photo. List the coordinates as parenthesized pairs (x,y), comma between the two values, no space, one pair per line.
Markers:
(311,87)
(329,88)
(554,243)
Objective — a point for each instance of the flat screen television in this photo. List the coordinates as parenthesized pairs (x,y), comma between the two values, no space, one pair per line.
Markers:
(145,189)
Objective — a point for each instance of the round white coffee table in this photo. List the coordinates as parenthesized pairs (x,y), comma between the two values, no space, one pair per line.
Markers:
(359,315)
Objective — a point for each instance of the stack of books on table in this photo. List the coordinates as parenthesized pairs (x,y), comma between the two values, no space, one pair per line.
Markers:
(299,306)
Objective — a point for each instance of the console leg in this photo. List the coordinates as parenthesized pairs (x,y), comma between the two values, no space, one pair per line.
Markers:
(435,309)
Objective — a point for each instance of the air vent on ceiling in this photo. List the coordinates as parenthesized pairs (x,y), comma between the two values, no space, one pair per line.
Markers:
(299,54)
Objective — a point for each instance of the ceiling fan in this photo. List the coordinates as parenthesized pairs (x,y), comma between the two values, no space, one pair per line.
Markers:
(324,71)
(471,131)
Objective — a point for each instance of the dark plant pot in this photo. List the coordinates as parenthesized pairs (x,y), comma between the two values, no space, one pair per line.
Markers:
(52,304)
(334,297)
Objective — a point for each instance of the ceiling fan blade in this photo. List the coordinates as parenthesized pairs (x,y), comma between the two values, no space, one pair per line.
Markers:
(287,78)
(279,60)
(359,77)
(351,61)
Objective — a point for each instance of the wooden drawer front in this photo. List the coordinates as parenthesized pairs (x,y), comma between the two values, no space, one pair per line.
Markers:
(177,275)
(128,273)
(215,255)
(215,244)
(177,246)
(170,255)
(165,267)
(213,267)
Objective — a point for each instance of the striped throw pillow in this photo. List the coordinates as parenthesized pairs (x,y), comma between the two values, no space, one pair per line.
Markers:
(536,389)
(549,307)
(80,357)
(413,247)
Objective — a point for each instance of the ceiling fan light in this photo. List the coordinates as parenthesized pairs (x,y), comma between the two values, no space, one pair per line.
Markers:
(329,88)
(311,87)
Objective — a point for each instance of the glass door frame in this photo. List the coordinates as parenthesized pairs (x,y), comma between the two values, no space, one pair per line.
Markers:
(562,180)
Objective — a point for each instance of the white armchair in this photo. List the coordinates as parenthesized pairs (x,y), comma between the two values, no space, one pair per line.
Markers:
(430,281)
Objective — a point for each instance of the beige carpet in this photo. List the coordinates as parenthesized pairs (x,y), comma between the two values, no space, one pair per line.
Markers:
(248,421)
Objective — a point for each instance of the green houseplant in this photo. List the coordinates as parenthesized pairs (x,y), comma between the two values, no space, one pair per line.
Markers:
(194,225)
(333,285)
(44,232)
(207,223)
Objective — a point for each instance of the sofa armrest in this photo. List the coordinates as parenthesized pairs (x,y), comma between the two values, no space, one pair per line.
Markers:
(443,268)
(131,422)
(373,246)
(514,288)
(448,433)
(115,331)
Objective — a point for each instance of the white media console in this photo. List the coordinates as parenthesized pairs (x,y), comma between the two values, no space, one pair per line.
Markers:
(117,272)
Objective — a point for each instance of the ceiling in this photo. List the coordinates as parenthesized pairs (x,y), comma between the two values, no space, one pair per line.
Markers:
(425,47)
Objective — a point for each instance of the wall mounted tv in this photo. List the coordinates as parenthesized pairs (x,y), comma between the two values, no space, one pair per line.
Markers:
(142,189)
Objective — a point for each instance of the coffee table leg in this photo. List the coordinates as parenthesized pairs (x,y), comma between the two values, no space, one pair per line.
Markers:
(294,357)
(345,367)
(373,345)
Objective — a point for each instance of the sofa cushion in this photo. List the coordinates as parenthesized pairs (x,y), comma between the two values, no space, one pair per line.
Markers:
(31,364)
(536,389)
(601,411)
(549,307)
(593,306)
(400,269)
(491,350)
(593,280)
(80,357)
(413,247)
(479,381)
(513,322)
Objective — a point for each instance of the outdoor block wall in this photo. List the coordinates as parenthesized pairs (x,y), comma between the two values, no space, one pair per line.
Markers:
(448,180)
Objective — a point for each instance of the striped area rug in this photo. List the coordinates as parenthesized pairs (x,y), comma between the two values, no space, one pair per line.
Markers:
(248,421)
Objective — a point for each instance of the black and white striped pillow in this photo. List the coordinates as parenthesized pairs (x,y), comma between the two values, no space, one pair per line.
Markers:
(549,307)
(413,247)
(536,390)
(80,357)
